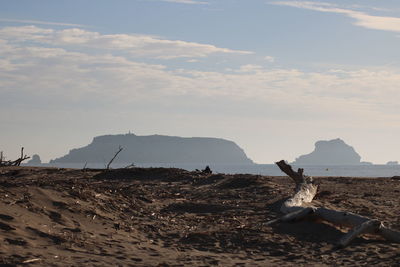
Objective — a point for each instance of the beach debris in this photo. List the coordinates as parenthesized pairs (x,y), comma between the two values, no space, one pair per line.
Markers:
(298,207)
(16,162)
(207,170)
(115,155)
(31,260)
(132,165)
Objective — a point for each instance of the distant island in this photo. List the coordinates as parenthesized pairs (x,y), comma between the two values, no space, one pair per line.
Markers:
(157,149)
(332,152)
(34,161)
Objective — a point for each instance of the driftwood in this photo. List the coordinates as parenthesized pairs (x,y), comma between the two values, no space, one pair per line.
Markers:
(115,155)
(299,206)
(16,162)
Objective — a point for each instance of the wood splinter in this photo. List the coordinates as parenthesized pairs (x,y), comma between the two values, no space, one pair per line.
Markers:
(298,207)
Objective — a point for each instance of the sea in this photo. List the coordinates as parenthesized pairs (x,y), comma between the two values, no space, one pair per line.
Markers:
(260,169)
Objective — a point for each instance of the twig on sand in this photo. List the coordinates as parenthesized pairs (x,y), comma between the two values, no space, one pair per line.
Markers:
(31,260)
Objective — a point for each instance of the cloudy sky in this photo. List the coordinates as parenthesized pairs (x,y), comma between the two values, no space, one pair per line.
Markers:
(273,76)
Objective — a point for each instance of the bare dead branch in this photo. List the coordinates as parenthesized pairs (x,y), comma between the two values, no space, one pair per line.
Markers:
(16,162)
(109,163)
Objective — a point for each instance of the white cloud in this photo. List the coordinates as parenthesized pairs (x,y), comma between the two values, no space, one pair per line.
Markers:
(25,33)
(24,21)
(361,19)
(269,59)
(249,68)
(62,74)
(191,2)
(136,45)
(65,76)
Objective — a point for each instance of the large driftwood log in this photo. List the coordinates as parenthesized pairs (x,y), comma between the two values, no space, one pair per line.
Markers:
(299,206)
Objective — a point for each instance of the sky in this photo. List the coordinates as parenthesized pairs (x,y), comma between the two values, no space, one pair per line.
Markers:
(272,76)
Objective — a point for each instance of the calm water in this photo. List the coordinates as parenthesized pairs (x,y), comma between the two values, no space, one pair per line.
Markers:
(269,169)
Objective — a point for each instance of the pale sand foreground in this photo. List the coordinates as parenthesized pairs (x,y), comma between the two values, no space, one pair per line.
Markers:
(171,217)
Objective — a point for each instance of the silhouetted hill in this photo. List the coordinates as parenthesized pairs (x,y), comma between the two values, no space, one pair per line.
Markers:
(157,149)
(34,161)
(333,152)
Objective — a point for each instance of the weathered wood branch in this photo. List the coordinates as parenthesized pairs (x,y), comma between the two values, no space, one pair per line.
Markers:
(365,227)
(299,206)
(16,162)
(293,216)
(389,234)
(305,190)
(115,155)
(22,158)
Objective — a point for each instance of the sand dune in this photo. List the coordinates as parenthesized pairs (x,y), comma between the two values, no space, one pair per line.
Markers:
(172,217)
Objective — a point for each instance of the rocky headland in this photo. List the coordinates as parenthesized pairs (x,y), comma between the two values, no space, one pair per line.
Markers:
(332,152)
(157,149)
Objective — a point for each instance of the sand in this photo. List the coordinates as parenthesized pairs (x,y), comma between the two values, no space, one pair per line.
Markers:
(172,217)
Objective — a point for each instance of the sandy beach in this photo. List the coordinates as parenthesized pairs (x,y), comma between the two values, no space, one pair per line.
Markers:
(173,217)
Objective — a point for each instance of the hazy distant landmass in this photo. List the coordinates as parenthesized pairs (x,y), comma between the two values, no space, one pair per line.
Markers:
(34,161)
(157,149)
(392,163)
(332,152)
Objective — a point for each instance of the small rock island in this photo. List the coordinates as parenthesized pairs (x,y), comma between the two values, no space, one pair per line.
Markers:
(34,161)
(157,149)
(332,152)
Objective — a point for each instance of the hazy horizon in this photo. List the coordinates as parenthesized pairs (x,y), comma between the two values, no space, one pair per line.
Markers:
(272,76)
(155,134)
